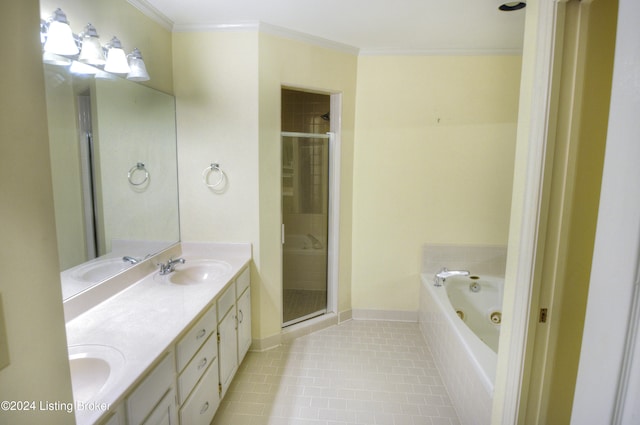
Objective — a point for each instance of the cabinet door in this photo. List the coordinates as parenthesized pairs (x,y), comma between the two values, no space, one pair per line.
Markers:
(165,412)
(227,349)
(244,324)
(152,389)
(117,418)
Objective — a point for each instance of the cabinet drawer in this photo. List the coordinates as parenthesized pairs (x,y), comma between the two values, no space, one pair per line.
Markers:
(226,301)
(195,337)
(243,282)
(196,367)
(202,404)
(151,390)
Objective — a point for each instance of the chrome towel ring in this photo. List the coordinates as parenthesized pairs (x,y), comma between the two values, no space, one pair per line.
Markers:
(138,167)
(206,174)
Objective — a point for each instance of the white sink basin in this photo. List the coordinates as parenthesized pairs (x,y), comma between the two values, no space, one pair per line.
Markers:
(199,271)
(94,369)
(99,270)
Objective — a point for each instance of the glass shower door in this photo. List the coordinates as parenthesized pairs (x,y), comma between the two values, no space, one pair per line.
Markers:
(305,206)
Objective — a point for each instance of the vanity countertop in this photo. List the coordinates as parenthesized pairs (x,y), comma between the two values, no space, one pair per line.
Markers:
(144,320)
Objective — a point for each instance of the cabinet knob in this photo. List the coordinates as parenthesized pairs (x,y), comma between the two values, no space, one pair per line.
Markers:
(202,363)
(205,407)
(202,333)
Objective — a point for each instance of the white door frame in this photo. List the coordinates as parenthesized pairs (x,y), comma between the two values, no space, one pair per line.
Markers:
(608,383)
(333,247)
(527,201)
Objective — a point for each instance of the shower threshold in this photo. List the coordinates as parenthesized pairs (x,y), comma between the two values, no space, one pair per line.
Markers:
(305,317)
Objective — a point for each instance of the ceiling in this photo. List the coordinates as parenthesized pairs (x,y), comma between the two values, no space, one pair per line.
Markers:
(374,26)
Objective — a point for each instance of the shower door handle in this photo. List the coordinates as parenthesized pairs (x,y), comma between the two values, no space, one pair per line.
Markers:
(282,234)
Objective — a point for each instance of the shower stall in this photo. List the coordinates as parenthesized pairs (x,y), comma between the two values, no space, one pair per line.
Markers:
(305,204)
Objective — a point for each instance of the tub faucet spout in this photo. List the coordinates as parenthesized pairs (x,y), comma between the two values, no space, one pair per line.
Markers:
(444,273)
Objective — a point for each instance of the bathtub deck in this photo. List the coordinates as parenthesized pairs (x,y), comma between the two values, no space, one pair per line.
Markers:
(358,372)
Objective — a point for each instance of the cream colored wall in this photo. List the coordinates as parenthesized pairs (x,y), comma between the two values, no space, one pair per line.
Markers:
(30,284)
(293,63)
(216,86)
(433,162)
(228,110)
(119,18)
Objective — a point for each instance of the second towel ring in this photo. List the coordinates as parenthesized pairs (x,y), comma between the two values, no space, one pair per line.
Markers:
(138,167)
(206,173)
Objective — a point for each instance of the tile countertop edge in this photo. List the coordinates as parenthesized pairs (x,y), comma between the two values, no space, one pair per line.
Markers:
(150,311)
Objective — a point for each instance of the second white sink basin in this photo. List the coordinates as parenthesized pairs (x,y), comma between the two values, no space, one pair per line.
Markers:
(94,368)
(99,270)
(200,271)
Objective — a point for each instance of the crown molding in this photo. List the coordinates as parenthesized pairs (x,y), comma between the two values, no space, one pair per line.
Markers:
(151,12)
(270,29)
(439,52)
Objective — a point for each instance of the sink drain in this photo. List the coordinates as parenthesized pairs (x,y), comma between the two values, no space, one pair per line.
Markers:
(496,317)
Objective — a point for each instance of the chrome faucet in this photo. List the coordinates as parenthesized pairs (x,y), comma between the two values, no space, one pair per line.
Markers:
(444,273)
(128,259)
(169,266)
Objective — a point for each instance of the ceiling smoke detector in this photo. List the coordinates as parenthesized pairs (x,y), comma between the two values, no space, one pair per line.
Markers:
(510,6)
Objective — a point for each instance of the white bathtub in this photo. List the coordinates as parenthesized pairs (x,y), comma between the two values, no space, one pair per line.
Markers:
(477,301)
(304,259)
(466,362)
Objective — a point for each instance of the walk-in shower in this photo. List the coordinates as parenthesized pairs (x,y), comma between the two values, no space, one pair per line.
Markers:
(305,204)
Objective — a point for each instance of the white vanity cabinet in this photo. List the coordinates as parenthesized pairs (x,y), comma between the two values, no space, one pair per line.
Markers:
(116,418)
(197,366)
(243,307)
(227,337)
(165,412)
(153,402)
(234,328)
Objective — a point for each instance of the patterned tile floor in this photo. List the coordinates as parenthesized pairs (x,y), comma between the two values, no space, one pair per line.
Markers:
(359,372)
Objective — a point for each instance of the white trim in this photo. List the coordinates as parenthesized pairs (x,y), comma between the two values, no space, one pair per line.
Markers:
(152,13)
(439,52)
(268,29)
(514,353)
(625,401)
(307,38)
(278,31)
(608,381)
(248,26)
(335,161)
(309,326)
(305,135)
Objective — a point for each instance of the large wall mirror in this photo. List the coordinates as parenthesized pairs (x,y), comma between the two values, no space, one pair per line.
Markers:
(114,172)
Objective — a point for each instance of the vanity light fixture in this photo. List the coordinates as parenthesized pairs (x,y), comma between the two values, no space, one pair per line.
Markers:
(85,54)
(116,58)
(138,69)
(81,68)
(59,37)
(91,52)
